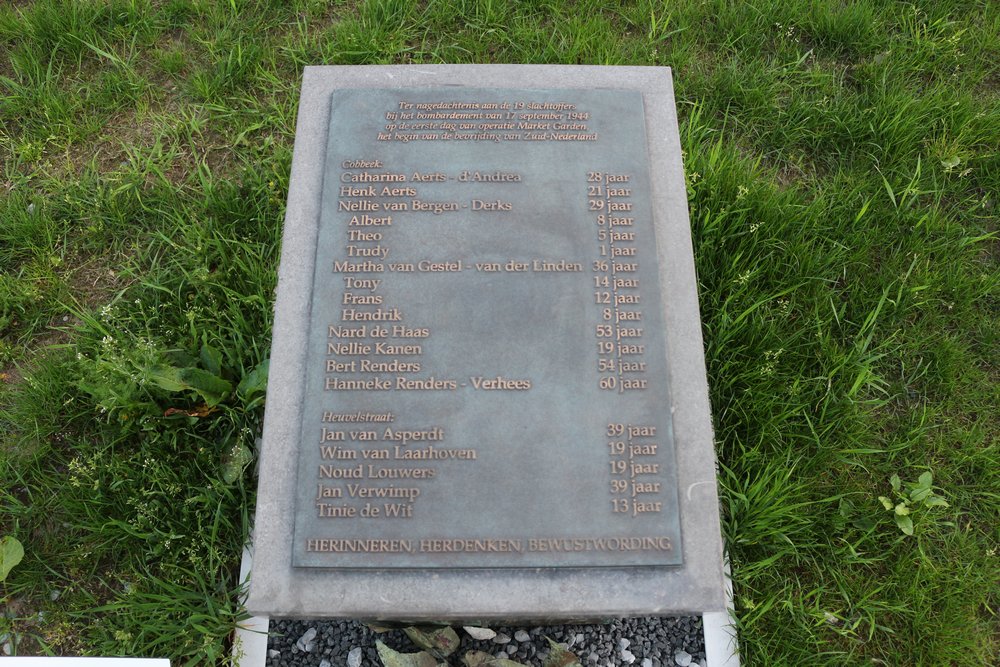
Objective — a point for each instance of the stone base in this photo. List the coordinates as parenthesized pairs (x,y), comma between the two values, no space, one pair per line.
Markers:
(472,596)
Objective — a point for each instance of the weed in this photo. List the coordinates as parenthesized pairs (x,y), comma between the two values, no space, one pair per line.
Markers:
(918,497)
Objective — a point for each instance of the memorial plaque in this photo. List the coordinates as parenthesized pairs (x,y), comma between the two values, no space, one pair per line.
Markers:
(486,384)
(487,396)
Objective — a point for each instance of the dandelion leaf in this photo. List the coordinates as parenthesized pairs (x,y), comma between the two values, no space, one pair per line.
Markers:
(167,378)
(11,553)
(210,387)
(560,657)
(211,359)
(482,659)
(254,382)
(392,658)
(179,358)
(441,642)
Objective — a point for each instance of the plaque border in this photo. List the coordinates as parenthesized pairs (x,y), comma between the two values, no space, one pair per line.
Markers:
(670,527)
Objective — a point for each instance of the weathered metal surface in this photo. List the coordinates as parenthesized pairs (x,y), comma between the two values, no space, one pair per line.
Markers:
(486,381)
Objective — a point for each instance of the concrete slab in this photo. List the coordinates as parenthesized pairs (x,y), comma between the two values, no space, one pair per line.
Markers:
(279,589)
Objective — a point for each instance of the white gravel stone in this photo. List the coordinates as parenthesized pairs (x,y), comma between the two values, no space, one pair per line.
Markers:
(522,636)
(354,657)
(623,643)
(307,641)
(501,638)
(627,656)
(682,657)
(479,633)
(647,662)
(273,653)
(325,663)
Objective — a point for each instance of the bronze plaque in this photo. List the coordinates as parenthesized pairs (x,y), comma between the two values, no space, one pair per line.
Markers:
(486,383)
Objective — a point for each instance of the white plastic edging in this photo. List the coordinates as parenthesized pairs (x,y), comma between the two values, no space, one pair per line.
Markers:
(84,662)
(250,643)
(721,646)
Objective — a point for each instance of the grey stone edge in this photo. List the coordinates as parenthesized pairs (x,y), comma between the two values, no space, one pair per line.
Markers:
(279,590)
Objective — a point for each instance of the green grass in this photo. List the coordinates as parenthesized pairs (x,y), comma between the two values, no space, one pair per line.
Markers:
(843,177)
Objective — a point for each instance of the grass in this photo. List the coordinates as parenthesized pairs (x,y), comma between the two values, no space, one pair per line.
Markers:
(842,178)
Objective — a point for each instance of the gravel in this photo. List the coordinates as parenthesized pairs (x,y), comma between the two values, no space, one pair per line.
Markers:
(306,643)
(479,633)
(635,642)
